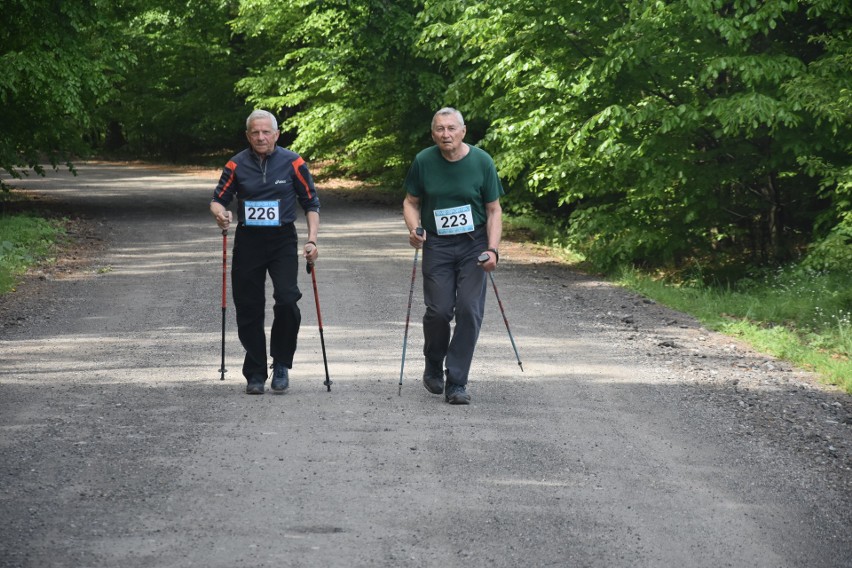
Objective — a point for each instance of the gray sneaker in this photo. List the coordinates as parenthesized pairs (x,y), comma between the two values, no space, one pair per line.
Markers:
(456,394)
(280,377)
(433,377)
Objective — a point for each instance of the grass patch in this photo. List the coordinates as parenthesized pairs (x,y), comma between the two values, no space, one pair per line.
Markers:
(802,316)
(25,240)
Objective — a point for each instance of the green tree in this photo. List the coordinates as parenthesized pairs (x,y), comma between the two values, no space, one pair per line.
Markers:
(343,76)
(180,100)
(58,66)
(662,130)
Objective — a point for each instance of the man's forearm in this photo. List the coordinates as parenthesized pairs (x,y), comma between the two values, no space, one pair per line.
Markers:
(494,225)
(411,214)
(312,218)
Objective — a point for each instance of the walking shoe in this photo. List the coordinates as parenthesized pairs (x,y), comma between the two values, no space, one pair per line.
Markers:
(433,377)
(280,377)
(255,384)
(456,394)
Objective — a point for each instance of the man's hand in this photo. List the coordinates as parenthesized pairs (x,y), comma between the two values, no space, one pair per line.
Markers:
(224,220)
(416,237)
(223,217)
(311,252)
(487,260)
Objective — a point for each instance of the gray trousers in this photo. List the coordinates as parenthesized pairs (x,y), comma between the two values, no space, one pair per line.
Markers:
(454,286)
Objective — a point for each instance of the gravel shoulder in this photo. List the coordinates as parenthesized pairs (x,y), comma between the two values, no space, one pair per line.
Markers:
(634,437)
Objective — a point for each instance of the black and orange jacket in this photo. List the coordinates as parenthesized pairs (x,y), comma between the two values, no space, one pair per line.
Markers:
(282,175)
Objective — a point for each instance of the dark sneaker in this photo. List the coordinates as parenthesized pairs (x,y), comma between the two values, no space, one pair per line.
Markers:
(456,394)
(433,377)
(280,377)
(255,385)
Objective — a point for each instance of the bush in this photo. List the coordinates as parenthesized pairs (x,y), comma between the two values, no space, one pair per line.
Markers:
(834,252)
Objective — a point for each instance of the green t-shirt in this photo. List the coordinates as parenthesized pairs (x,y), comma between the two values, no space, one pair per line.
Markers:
(441,184)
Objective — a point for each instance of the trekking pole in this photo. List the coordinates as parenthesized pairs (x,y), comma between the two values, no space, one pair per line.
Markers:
(419,231)
(222,369)
(312,271)
(483,258)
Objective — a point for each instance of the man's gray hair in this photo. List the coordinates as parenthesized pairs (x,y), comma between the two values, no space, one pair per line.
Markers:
(261,115)
(447,111)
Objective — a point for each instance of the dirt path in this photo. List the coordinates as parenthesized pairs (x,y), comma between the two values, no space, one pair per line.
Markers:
(634,438)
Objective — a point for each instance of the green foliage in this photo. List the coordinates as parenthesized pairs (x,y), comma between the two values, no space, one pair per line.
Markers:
(143,77)
(344,77)
(834,252)
(665,130)
(652,133)
(179,100)
(59,65)
(24,241)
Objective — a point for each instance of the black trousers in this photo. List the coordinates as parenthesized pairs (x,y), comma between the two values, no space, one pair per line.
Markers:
(258,251)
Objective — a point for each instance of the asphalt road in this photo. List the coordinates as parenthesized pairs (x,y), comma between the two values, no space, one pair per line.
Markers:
(633,438)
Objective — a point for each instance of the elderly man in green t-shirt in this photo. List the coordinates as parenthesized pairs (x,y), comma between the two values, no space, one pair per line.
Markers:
(453,192)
